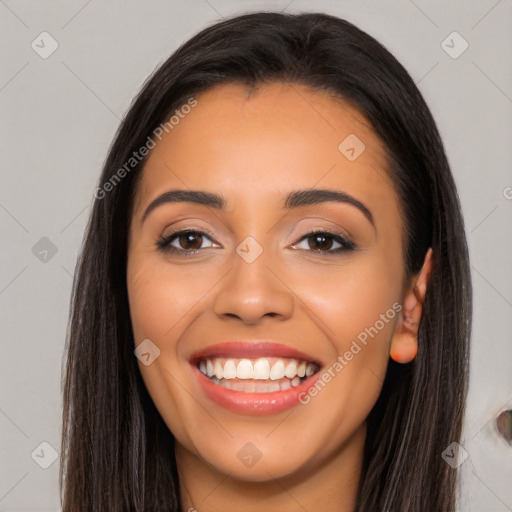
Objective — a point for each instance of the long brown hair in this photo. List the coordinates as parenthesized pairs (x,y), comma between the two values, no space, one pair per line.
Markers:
(117,453)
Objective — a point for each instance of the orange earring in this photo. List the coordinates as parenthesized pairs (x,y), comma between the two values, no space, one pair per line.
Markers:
(405,354)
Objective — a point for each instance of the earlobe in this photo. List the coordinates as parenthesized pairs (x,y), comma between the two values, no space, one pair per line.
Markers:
(404,344)
(405,354)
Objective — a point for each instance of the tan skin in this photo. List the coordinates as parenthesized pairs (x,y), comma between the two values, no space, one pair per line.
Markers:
(253,149)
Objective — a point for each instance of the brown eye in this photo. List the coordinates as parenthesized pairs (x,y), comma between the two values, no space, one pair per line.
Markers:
(324,242)
(185,242)
(190,240)
(320,241)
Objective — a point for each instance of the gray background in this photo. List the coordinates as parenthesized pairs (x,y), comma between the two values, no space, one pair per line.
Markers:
(59,114)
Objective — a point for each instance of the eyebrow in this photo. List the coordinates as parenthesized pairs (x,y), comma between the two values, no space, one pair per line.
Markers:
(294,199)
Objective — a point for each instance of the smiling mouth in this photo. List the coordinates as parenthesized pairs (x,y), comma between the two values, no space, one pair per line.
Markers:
(261,375)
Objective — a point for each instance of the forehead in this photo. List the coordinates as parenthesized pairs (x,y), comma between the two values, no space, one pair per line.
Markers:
(254,145)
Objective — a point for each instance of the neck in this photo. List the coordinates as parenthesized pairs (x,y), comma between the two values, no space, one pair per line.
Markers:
(331,486)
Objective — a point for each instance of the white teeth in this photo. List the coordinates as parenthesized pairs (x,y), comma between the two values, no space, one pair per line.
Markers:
(260,387)
(244,369)
(291,369)
(273,386)
(262,369)
(230,369)
(277,371)
(227,383)
(310,370)
(284,373)
(218,370)
(249,387)
(286,384)
(254,386)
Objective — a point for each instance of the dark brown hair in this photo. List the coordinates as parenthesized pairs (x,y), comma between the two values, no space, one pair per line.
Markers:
(117,453)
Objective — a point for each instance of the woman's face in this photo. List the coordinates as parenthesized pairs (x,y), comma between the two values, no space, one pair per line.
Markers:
(262,300)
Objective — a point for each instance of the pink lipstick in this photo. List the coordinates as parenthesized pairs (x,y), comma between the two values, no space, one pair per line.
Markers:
(254,377)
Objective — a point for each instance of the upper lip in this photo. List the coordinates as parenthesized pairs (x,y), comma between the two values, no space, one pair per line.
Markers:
(252,350)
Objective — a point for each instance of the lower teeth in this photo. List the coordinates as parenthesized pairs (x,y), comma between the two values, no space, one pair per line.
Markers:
(255,386)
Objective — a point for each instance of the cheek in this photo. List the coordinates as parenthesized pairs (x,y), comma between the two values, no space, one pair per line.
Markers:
(357,308)
(161,296)
(350,298)
(357,305)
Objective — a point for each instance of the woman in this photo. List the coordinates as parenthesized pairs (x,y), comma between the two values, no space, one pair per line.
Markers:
(272,305)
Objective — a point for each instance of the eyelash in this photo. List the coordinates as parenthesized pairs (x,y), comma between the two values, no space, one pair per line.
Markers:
(163,243)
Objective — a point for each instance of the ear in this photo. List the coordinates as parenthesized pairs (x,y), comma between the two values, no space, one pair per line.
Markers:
(404,344)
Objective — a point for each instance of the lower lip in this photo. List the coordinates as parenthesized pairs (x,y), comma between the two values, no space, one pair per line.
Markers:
(253,403)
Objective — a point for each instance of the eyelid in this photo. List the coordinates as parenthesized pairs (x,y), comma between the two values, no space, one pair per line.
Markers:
(345,242)
(204,230)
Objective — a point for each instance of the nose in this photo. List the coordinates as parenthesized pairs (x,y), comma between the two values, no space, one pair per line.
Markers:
(252,291)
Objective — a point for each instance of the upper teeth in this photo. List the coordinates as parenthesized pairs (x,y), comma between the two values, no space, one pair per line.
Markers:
(259,369)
